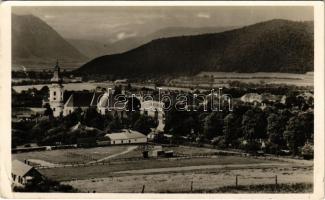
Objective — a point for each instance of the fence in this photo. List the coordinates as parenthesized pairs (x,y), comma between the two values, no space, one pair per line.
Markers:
(236,183)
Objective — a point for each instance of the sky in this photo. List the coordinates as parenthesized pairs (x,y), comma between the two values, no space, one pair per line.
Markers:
(118,23)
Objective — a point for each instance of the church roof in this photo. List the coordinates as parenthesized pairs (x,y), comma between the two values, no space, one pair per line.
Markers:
(82,99)
(56,74)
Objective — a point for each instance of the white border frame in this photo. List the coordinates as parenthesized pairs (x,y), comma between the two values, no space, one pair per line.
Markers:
(5,94)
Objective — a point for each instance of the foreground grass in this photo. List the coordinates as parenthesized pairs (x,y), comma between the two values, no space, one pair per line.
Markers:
(263,188)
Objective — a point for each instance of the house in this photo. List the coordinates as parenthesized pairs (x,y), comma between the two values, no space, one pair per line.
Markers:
(23,174)
(126,136)
(27,114)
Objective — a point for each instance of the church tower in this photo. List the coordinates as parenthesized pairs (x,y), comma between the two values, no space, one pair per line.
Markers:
(56,92)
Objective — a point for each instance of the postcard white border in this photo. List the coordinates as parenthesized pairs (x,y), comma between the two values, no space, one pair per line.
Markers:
(5,105)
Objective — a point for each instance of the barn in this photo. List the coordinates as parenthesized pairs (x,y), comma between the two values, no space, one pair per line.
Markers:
(23,174)
(126,136)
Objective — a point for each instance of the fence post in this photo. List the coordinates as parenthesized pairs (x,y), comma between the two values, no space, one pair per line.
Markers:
(236,181)
(143,188)
(191,186)
(276,181)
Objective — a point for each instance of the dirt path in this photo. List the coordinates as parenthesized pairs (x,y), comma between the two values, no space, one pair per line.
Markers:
(189,168)
(131,148)
(44,163)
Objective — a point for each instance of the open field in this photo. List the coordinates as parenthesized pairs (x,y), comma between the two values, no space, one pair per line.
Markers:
(202,180)
(219,78)
(206,174)
(63,156)
(98,171)
(265,188)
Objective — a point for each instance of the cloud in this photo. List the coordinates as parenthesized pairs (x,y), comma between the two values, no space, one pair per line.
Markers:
(49,16)
(203,15)
(123,35)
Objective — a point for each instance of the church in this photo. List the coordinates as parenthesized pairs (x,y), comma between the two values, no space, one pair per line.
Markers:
(65,102)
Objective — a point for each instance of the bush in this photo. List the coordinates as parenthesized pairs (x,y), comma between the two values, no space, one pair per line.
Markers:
(250,146)
(307,151)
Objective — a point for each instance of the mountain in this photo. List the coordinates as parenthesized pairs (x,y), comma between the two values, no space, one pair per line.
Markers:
(92,48)
(36,45)
(271,46)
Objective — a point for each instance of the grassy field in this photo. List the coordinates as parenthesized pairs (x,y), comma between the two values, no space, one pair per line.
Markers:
(98,171)
(211,174)
(177,150)
(71,155)
(267,188)
(203,181)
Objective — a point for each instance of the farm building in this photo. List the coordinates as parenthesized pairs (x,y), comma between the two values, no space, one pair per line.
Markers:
(23,174)
(126,137)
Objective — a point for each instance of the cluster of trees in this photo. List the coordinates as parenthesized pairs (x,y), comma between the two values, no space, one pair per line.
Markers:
(246,127)
(29,98)
(50,130)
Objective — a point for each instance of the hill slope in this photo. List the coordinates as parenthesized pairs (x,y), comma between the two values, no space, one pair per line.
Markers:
(272,46)
(36,44)
(95,48)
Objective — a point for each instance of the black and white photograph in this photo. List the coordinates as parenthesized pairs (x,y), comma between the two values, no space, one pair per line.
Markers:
(167,99)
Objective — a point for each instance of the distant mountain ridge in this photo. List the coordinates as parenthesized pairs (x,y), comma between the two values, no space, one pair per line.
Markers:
(94,49)
(271,46)
(36,44)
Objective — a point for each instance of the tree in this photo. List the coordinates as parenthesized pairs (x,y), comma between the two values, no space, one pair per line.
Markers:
(213,125)
(48,112)
(254,124)
(294,134)
(115,124)
(94,119)
(274,129)
(73,118)
(230,128)
(144,124)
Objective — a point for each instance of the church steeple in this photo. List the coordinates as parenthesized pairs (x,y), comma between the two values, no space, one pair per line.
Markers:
(56,74)
(56,92)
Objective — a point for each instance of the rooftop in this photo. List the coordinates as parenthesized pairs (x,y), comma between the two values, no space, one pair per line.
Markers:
(19,168)
(125,134)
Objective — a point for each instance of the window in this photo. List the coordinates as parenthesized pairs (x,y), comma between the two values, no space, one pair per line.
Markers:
(54,93)
(54,98)
(122,141)
(129,141)
(53,109)
(113,142)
